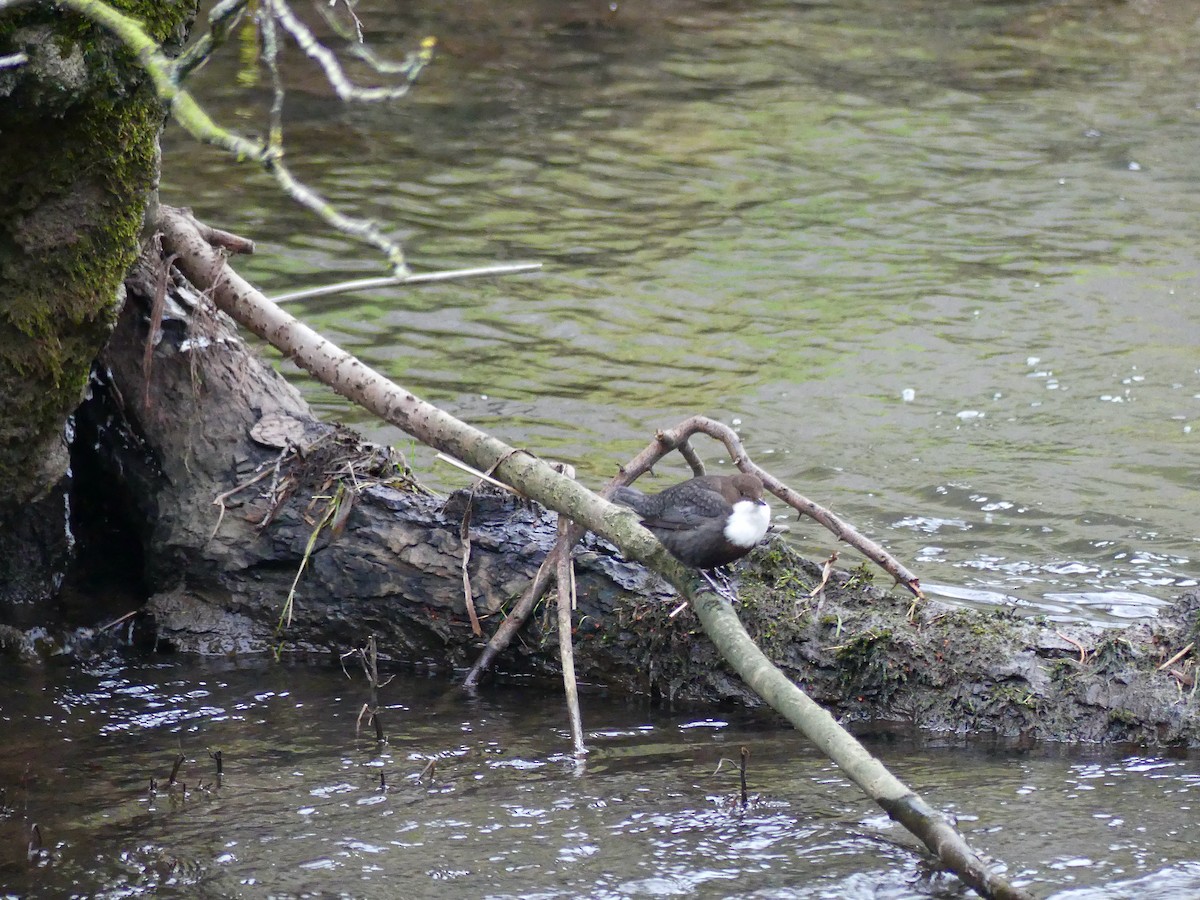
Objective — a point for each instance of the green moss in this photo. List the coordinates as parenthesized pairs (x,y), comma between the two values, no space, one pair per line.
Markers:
(1113,653)
(860,576)
(1018,695)
(1063,670)
(779,567)
(1123,718)
(864,664)
(79,168)
(162,21)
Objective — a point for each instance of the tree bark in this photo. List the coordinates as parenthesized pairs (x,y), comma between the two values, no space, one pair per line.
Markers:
(79,128)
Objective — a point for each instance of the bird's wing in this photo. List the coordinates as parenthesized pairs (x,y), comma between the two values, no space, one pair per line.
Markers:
(700,508)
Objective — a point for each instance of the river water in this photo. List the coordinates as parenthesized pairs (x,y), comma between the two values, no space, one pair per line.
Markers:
(310,806)
(936,261)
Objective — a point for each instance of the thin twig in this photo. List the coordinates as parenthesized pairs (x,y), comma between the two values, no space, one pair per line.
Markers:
(482,476)
(1083,653)
(565,577)
(222,19)
(154,327)
(191,116)
(744,753)
(1177,657)
(117,621)
(335,24)
(464,534)
(365,284)
(270,56)
(322,55)
(238,488)
(521,610)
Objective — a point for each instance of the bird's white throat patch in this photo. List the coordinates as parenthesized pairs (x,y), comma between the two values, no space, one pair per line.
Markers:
(747,523)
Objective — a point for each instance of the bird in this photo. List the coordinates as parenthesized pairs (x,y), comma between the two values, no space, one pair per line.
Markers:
(706,521)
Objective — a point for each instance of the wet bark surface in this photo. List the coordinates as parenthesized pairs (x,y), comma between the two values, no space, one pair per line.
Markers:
(387,557)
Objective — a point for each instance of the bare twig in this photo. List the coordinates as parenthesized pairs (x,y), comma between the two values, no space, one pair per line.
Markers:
(219,500)
(222,19)
(322,55)
(744,753)
(565,604)
(117,621)
(335,24)
(565,577)
(165,76)
(270,56)
(521,610)
(226,240)
(464,534)
(482,476)
(1174,659)
(1083,653)
(364,284)
(368,658)
(154,327)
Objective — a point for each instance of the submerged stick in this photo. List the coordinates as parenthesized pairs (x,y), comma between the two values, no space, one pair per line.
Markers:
(744,753)
(565,576)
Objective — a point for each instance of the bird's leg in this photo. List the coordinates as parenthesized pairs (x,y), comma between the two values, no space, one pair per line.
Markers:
(719,582)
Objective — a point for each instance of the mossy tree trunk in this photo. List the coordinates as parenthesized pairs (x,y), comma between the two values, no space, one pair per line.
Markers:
(79,127)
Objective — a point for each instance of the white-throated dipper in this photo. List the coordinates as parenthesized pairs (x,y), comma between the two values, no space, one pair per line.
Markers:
(707,521)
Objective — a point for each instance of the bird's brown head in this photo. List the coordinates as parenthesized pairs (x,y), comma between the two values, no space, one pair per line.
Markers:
(746,487)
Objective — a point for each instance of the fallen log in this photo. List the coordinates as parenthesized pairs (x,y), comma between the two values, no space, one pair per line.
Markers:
(344,579)
(219,573)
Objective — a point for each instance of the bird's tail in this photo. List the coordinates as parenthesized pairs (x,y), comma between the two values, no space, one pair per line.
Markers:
(631,497)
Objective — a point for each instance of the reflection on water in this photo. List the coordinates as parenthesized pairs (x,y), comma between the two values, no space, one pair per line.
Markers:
(939,259)
(309,806)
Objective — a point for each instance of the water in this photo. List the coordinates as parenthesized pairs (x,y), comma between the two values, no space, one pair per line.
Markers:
(310,805)
(935,259)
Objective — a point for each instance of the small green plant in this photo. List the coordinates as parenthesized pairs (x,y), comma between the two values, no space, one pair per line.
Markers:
(333,513)
(861,576)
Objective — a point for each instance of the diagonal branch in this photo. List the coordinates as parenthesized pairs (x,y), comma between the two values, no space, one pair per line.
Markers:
(206,268)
